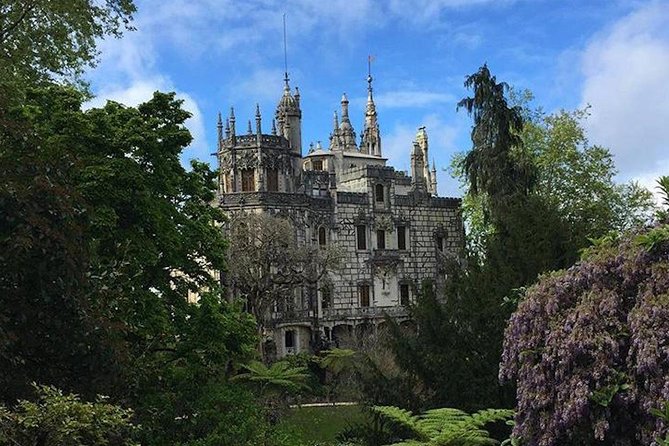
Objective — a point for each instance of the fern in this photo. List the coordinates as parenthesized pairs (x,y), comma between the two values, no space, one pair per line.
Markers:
(663,185)
(445,426)
(277,378)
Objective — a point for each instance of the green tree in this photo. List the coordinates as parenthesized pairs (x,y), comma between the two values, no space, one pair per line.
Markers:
(127,230)
(266,263)
(43,40)
(489,166)
(56,419)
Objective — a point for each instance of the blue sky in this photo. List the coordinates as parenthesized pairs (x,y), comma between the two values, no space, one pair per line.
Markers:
(613,55)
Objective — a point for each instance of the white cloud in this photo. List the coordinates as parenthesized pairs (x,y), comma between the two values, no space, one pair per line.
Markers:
(626,71)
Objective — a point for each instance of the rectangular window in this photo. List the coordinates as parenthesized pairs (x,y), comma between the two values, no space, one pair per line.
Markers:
(362,236)
(317,165)
(326,297)
(228,183)
(272,180)
(380,239)
(363,291)
(404,294)
(379,193)
(248,180)
(289,340)
(440,243)
(322,236)
(401,237)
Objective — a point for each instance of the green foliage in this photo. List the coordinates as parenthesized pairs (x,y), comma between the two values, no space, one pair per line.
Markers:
(445,426)
(100,257)
(337,360)
(663,185)
(654,238)
(45,40)
(276,379)
(57,419)
(663,414)
(488,166)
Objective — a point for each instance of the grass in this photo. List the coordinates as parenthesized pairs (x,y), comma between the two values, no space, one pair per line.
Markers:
(320,425)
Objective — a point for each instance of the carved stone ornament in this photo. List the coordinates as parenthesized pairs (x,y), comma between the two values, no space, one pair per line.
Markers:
(247,160)
(385,223)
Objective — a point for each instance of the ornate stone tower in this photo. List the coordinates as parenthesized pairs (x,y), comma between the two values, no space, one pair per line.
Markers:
(289,117)
(371,137)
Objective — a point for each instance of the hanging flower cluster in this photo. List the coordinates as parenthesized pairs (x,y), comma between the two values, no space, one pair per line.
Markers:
(589,348)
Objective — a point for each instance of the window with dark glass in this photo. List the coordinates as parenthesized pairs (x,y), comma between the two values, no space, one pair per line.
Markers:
(272,180)
(322,236)
(326,297)
(381,239)
(404,294)
(363,291)
(440,243)
(361,231)
(248,180)
(401,237)
(317,164)
(289,339)
(379,193)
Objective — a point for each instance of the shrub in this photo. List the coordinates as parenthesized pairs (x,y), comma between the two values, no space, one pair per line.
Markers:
(589,347)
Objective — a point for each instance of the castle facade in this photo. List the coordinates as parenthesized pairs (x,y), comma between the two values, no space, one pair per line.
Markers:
(394,230)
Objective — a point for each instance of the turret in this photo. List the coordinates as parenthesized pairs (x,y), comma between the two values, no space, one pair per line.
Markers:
(420,170)
(346,132)
(433,179)
(289,117)
(371,137)
(421,139)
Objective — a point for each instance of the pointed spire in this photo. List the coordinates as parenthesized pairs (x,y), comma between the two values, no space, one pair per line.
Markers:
(219,127)
(249,131)
(227,127)
(274,127)
(336,121)
(434,166)
(233,131)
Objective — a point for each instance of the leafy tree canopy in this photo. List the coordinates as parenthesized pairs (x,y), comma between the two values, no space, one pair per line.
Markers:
(42,40)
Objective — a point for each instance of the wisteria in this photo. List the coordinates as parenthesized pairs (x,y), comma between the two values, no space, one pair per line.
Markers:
(589,349)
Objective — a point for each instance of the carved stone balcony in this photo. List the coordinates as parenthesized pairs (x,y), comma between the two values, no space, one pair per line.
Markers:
(336,314)
(293,316)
